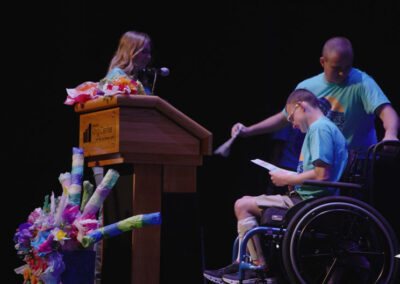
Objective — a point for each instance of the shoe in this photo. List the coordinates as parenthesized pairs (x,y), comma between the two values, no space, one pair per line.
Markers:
(250,277)
(216,275)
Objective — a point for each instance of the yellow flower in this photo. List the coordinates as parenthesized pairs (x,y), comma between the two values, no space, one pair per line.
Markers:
(60,235)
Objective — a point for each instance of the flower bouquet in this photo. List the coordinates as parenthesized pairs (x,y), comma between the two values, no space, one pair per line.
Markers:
(64,230)
(115,83)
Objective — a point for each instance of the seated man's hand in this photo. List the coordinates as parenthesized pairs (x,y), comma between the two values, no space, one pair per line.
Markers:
(279,177)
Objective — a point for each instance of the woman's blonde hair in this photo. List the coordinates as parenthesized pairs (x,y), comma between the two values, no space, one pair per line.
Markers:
(130,44)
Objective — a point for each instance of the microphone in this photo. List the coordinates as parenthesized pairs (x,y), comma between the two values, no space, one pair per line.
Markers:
(163,71)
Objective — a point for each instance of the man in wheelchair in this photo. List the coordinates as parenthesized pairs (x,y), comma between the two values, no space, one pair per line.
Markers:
(323,157)
(368,234)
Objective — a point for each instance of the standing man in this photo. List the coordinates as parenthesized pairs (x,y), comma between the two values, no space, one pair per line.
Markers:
(348,96)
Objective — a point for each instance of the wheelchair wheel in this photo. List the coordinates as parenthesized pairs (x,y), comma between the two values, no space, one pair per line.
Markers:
(339,240)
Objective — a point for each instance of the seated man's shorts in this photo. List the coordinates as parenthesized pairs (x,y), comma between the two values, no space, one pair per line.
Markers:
(276,201)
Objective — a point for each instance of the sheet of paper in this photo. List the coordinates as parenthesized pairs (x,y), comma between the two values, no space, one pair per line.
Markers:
(224,149)
(270,166)
(265,164)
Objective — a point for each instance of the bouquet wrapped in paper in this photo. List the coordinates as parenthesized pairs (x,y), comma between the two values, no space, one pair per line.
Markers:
(67,223)
(117,82)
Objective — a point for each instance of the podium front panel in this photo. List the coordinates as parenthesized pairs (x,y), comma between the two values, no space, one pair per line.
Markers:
(99,132)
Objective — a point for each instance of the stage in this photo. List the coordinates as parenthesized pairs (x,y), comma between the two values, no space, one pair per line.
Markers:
(230,61)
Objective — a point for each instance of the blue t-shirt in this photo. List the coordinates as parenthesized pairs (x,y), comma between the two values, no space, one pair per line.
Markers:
(350,105)
(292,140)
(325,142)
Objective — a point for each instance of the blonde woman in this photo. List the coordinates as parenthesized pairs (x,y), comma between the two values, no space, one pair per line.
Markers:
(133,54)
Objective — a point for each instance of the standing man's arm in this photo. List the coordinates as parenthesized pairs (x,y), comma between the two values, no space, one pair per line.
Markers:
(390,121)
(270,124)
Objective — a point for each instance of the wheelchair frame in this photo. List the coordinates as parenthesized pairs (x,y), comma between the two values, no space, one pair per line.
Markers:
(302,227)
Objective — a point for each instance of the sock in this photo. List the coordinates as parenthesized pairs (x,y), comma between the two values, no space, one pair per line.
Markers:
(253,245)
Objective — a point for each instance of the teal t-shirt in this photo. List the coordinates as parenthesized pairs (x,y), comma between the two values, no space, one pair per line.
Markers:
(323,141)
(350,105)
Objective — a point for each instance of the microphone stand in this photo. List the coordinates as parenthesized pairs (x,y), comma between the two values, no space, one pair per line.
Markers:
(154,83)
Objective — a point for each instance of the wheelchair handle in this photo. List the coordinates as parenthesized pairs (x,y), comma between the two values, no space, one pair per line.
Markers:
(332,184)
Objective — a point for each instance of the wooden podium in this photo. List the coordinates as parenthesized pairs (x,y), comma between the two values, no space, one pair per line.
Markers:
(164,146)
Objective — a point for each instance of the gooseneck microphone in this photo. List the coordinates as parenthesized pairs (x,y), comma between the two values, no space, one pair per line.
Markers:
(163,72)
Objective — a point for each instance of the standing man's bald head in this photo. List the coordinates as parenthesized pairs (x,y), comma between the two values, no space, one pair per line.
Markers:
(340,46)
(337,59)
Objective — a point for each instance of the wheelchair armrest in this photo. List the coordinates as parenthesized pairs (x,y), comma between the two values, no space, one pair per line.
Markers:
(332,184)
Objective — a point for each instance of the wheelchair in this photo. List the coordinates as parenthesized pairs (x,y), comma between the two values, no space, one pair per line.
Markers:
(334,239)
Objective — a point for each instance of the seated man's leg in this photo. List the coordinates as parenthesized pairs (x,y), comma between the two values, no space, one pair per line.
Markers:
(247,210)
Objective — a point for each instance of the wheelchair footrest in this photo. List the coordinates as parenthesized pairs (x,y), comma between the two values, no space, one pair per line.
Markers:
(248,266)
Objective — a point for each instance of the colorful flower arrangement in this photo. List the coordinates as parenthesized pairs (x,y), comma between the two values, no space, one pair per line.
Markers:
(115,83)
(68,223)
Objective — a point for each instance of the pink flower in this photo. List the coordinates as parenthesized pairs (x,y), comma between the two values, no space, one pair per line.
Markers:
(84,92)
(35,215)
(46,246)
(70,213)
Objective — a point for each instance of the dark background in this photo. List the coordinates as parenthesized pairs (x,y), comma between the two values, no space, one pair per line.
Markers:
(230,61)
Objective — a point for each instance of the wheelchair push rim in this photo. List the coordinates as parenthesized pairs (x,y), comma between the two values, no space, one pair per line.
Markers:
(339,239)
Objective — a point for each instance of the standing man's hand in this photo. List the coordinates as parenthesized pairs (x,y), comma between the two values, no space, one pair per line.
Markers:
(238,130)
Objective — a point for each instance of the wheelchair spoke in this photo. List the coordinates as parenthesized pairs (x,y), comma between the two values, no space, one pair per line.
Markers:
(350,229)
(317,254)
(365,253)
(330,271)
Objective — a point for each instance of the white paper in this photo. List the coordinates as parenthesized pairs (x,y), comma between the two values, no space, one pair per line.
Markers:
(225,148)
(270,166)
